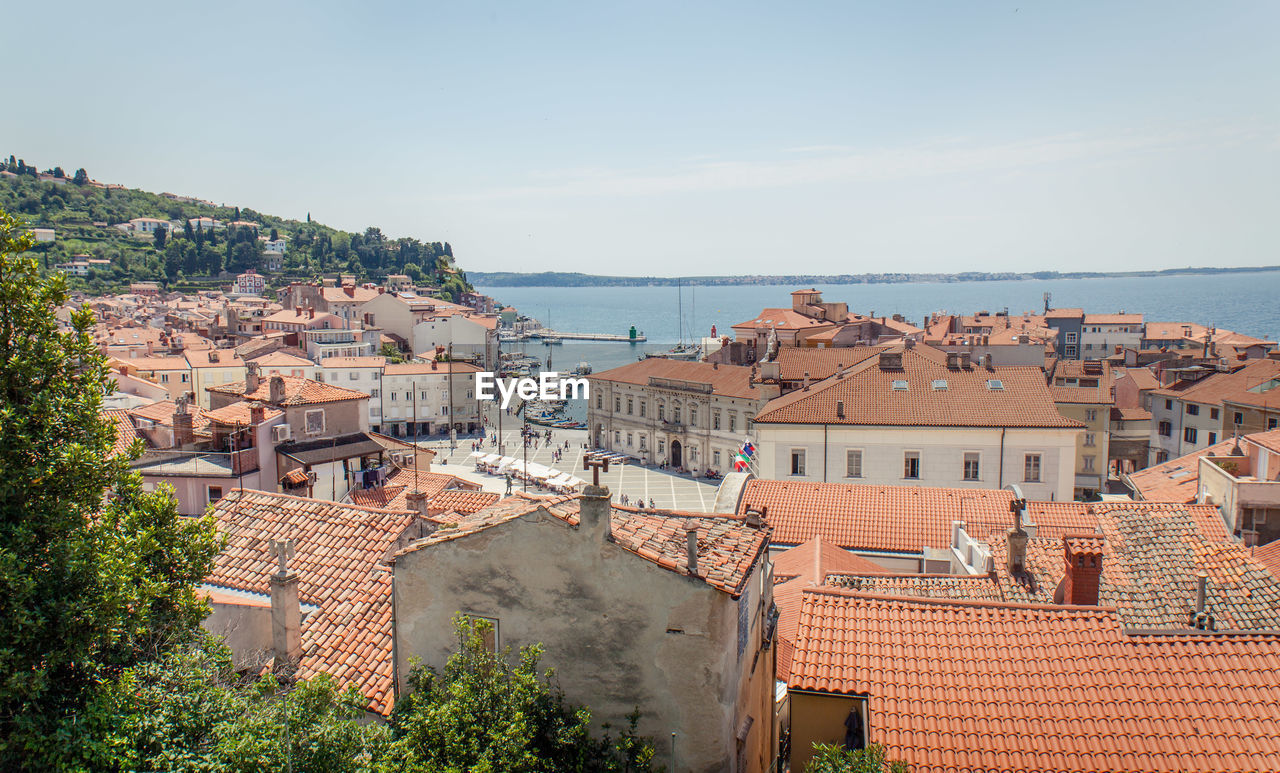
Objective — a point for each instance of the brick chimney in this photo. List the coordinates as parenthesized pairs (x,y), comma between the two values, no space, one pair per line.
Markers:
(419,502)
(184,433)
(350,290)
(691,545)
(311,313)
(1016,561)
(277,390)
(286,609)
(1083,555)
(257,414)
(250,377)
(596,511)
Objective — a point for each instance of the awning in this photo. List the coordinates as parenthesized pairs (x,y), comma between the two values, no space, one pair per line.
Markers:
(331,449)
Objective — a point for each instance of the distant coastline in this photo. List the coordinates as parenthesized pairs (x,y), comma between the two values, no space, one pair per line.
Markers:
(572,279)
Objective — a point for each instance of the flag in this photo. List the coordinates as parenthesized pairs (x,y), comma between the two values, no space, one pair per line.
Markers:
(747,448)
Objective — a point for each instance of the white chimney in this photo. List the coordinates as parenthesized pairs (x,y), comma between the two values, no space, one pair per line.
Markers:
(286,609)
(691,545)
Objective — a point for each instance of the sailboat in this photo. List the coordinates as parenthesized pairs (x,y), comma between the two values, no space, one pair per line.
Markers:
(682,350)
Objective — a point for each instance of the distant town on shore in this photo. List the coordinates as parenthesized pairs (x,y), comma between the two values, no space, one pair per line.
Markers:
(574,279)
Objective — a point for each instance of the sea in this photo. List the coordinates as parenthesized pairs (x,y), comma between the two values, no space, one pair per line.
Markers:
(1247,303)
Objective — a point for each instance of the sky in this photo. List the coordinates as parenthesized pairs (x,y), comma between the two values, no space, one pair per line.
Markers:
(675,138)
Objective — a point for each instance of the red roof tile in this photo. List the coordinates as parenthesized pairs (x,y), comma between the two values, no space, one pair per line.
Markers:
(900,519)
(237,414)
(297,391)
(1269,556)
(727,380)
(1236,386)
(340,551)
(869,398)
(125,432)
(981,686)
(794,362)
(1177,480)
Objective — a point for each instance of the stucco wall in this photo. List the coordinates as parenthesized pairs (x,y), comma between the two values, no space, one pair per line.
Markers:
(620,632)
(819,719)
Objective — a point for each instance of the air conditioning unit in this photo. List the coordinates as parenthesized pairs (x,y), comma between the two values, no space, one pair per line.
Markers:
(281,433)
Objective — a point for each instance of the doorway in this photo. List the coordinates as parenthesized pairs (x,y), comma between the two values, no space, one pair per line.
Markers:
(676,461)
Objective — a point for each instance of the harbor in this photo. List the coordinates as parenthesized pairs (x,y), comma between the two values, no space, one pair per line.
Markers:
(555,336)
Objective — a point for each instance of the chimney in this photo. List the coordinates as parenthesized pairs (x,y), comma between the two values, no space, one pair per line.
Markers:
(257,414)
(691,545)
(183,431)
(251,382)
(953,360)
(286,611)
(419,502)
(277,390)
(1083,555)
(806,381)
(595,512)
(350,290)
(297,311)
(311,313)
(1016,561)
(966,360)
(1202,581)
(151,348)
(890,360)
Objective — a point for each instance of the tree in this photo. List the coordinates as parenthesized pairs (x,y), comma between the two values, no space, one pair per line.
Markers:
(834,759)
(275,235)
(158,237)
(81,178)
(90,585)
(482,713)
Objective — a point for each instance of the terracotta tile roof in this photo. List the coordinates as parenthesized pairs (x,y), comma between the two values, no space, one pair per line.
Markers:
(1177,480)
(980,686)
(339,294)
(237,414)
(162,413)
(395,491)
(297,391)
(979,587)
(801,567)
(152,364)
(1269,440)
(1130,414)
(1151,554)
(1142,377)
(463,502)
(213,358)
(1234,386)
(899,519)
(293,317)
(869,398)
(794,361)
(340,551)
(782,319)
(1269,556)
(125,432)
(727,380)
(281,359)
(1113,319)
(728,548)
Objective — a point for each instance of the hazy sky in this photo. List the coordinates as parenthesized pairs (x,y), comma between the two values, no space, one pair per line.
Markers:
(686,138)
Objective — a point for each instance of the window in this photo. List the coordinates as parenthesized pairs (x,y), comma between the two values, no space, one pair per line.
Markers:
(1213,438)
(1271,423)
(599,401)
(1168,405)
(1165,429)
(911,464)
(642,439)
(715,457)
(693,417)
(939,385)
(1071,338)
(853,463)
(214,493)
(1193,410)
(186,377)
(354,376)
(164,378)
(617,437)
(1162,457)
(630,406)
(971,467)
(1213,413)
(1189,434)
(1088,463)
(643,403)
(662,446)
(797,461)
(995,385)
(315,421)
(1091,414)
(1238,418)
(1031,468)
(629,438)
(899,385)
(1070,351)
(373,393)
(617,404)
(733,421)
(662,412)
(1089,439)
(715,420)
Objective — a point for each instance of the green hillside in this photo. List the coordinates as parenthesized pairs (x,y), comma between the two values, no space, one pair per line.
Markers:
(190,259)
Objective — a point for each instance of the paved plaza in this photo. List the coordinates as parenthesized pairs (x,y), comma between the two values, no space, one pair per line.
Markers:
(667,490)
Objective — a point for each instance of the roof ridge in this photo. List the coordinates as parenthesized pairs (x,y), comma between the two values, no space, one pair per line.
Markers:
(831,590)
(243,492)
